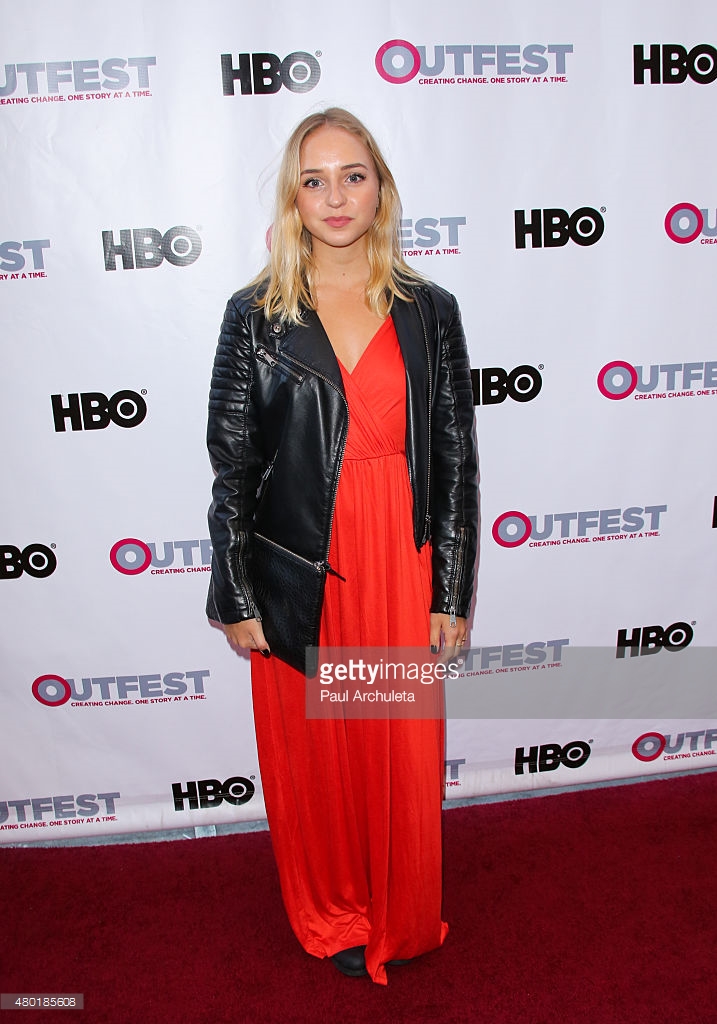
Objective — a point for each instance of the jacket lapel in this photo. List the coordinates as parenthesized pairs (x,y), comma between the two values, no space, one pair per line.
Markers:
(410,330)
(309,344)
(411,326)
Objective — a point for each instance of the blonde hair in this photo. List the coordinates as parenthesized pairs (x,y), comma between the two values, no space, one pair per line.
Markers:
(285,284)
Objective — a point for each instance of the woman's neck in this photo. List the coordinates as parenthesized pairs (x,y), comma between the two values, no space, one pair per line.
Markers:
(341,269)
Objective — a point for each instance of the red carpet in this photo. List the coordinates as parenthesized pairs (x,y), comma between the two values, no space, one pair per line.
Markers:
(594,906)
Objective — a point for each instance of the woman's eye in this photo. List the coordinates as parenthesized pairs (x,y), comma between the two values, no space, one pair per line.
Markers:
(356,176)
(312,183)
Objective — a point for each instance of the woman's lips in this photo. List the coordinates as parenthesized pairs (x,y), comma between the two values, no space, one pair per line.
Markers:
(337,222)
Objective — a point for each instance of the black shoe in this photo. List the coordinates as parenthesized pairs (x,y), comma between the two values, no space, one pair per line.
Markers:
(351,961)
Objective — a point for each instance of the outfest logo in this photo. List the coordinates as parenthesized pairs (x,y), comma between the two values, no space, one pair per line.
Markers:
(651,745)
(124,690)
(686,222)
(618,380)
(132,556)
(67,809)
(452,775)
(398,61)
(518,657)
(48,81)
(513,529)
(23,260)
(431,236)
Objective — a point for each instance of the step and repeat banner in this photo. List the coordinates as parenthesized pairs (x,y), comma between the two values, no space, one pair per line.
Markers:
(556,168)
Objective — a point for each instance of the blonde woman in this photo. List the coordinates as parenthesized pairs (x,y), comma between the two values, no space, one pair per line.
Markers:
(344,514)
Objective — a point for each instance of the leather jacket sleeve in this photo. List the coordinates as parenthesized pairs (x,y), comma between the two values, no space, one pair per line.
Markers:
(453,473)
(235,449)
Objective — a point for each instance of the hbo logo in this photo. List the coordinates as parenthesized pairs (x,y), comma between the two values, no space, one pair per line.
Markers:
(651,639)
(212,792)
(140,248)
(36,560)
(557,227)
(93,411)
(263,73)
(549,757)
(492,385)
(672,64)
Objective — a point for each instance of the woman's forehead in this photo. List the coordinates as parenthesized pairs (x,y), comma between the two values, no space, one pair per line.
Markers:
(330,144)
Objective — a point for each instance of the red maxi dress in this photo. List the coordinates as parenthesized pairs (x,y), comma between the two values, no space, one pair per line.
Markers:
(354,806)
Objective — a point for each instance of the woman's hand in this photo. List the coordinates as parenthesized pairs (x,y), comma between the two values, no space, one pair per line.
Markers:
(248,635)
(454,637)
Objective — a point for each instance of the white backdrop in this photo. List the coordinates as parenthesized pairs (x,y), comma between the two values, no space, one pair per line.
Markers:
(136,195)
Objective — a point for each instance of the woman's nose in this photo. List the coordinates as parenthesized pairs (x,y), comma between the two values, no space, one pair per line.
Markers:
(337,196)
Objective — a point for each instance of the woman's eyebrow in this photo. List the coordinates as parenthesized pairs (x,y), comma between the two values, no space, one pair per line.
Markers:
(345,167)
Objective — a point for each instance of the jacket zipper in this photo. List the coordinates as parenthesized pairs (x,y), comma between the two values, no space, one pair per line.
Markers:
(317,566)
(427,518)
(321,376)
(265,476)
(249,603)
(267,357)
(457,575)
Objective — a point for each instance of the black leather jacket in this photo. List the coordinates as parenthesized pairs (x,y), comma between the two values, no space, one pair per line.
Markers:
(278,420)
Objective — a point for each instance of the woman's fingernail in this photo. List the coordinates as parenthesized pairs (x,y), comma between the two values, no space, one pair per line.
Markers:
(434,649)
(266,653)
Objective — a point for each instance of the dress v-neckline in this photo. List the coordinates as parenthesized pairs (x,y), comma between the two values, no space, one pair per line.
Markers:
(361,357)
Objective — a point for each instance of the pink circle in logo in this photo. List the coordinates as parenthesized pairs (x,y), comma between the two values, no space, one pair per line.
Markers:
(406,50)
(501,534)
(121,556)
(607,386)
(672,223)
(38,690)
(649,746)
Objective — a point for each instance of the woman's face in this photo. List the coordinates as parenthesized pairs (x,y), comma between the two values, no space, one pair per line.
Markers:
(338,188)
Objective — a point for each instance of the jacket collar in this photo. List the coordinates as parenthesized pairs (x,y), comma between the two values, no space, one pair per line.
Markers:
(309,343)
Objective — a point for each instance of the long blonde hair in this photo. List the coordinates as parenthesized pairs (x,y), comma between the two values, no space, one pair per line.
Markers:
(285,284)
